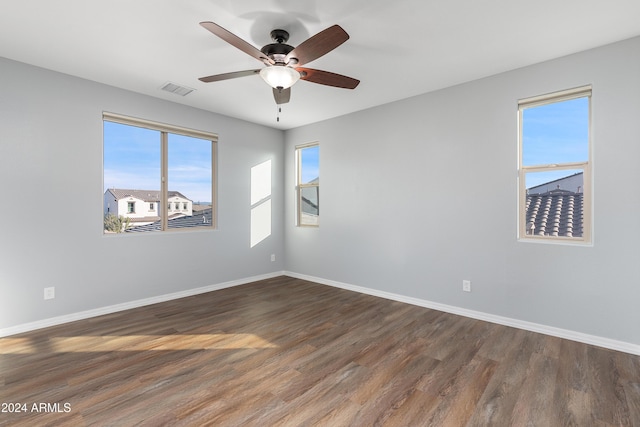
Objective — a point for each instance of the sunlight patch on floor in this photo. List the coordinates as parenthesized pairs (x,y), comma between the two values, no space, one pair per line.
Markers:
(102,343)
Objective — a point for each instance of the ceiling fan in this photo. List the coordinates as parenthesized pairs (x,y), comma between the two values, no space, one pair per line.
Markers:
(283,63)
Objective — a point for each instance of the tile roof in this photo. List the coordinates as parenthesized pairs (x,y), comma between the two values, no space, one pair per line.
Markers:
(196,220)
(573,182)
(146,195)
(555,213)
(200,207)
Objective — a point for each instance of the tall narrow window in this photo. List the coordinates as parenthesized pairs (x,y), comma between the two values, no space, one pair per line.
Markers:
(555,167)
(158,165)
(308,184)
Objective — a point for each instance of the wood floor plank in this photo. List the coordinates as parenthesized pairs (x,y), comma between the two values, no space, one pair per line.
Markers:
(609,402)
(323,397)
(628,368)
(413,411)
(535,402)
(386,399)
(497,344)
(288,352)
(572,402)
(465,393)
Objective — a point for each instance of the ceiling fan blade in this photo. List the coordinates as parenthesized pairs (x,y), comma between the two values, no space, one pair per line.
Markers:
(236,41)
(282,96)
(316,46)
(327,78)
(227,76)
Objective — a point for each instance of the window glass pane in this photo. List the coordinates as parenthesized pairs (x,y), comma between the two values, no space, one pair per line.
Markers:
(131,171)
(308,185)
(309,205)
(556,133)
(555,203)
(310,165)
(190,181)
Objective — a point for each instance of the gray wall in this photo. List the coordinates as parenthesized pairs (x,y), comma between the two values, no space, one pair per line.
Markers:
(405,205)
(51,156)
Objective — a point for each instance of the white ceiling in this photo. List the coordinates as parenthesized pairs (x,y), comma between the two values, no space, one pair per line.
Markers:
(397,48)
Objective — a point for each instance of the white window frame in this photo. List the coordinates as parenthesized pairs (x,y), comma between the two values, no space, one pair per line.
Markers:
(165,130)
(586,167)
(300,186)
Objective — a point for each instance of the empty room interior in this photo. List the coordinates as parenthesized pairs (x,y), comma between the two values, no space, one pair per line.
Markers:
(167,256)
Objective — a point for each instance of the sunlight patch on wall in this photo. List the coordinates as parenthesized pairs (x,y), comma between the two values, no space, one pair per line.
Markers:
(260,222)
(260,202)
(260,182)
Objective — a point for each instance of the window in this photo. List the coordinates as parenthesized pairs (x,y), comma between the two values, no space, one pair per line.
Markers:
(555,167)
(308,184)
(155,162)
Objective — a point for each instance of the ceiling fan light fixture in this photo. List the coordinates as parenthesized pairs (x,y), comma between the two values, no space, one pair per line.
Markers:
(280,76)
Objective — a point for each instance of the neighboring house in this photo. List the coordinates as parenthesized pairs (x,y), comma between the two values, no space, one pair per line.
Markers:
(556,208)
(143,206)
(309,199)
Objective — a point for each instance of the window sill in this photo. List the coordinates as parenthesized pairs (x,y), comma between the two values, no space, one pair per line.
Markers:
(555,241)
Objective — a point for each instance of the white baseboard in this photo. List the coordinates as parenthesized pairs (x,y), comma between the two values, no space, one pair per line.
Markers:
(53,321)
(506,321)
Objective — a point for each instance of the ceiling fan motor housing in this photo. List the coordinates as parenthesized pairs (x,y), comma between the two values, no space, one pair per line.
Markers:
(278,50)
(280,36)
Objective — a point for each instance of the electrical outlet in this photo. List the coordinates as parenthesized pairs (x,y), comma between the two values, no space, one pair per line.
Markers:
(49,293)
(466,285)
(273,257)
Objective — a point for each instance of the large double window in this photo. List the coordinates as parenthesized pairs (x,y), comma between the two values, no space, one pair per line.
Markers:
(555,167)
(308,184)
(157,177)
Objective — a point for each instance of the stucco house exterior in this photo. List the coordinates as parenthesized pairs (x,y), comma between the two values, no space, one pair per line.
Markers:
(143,206)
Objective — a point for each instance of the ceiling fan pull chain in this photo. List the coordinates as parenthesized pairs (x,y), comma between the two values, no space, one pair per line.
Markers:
(278,114)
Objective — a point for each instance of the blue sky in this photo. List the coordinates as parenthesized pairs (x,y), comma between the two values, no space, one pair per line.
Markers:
(132,161)
(555,133)
(310,163)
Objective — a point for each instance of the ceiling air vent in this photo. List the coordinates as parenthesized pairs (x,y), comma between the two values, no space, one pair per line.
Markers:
(177,89)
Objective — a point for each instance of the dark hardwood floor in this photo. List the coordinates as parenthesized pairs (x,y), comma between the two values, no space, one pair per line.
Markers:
(286,352)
